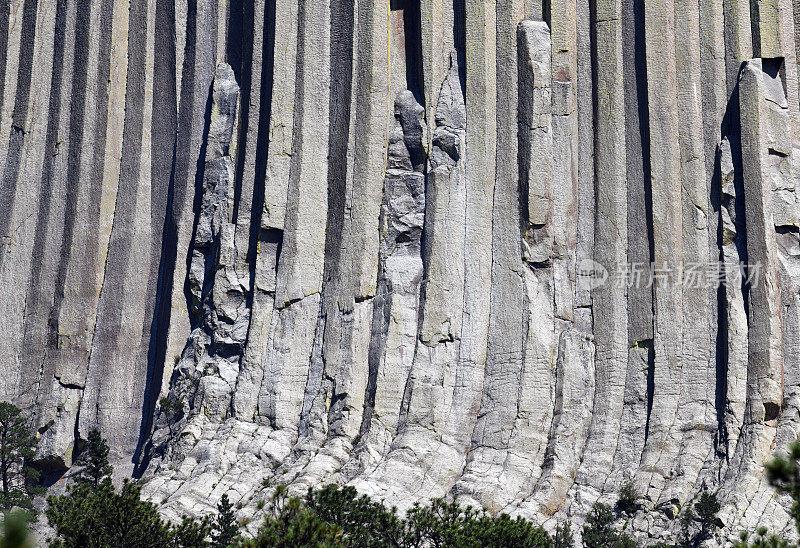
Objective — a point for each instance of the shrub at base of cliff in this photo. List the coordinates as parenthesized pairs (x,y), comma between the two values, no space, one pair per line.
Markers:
(335,516)
(449,524)
(564,537)
(17,447)
(98,516)
(92,514)
(93,460)
(762,539)
(366,523)
(599,531)
(291,524)
(225,527)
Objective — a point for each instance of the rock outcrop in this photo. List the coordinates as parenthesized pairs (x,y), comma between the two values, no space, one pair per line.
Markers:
(509,251)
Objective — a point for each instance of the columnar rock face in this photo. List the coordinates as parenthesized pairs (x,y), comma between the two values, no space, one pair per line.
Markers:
(513,252)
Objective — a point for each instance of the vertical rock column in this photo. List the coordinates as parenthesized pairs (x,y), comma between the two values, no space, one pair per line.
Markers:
(263,317)
(609,307)
(114,402)
(57,391)
(665,157)
(535,164)
(714,101)
(571,370)
(25,97)
(496,457)
(695,419)
(732,236)
(302,258)
(195,79)
(347,299)
(733,253)
(424,410)
(211,360)
(769,203)
(394,325)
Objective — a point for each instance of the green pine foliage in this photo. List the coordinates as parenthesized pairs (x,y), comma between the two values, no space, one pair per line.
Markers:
(94,459)
(564,537)
(600,531)
(699,520)
(628,502)
(366,523)
(706,510)
(17,447)
(334,516)
(225,528)
(97,516)
(291,524)
(93,514)
(762,539)
(192,533)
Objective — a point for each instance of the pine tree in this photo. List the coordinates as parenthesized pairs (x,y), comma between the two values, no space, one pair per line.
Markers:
(291,524)
(191,532)
(94,459)
(564,537)
(17,445)
(91,516)
(707,509)
(599,531)
(225,527)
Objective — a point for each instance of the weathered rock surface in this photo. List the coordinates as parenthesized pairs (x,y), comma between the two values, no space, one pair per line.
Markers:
(356,241)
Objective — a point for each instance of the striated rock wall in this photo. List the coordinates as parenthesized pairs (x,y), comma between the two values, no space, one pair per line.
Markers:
(511,251)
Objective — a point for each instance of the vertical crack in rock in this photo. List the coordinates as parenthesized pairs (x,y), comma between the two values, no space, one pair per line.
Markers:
(394,327)
(659,456)
(636,411)
(207,371)
(424,428)
(279,32)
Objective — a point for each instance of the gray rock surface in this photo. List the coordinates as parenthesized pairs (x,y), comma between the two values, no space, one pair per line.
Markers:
(358,242)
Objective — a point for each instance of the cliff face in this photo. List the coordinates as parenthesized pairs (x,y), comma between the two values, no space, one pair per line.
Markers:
(367,241)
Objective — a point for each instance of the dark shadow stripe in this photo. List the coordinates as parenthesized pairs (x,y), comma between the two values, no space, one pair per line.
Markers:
(644,134)
(75,148)
(412,30)
(34,325)
(262,144)
(731,130)
(460,41)
(245,99)
(5,10)
(19,118)
(234,45)
(637,165)
(721,341)
(163,243)
(106,345)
